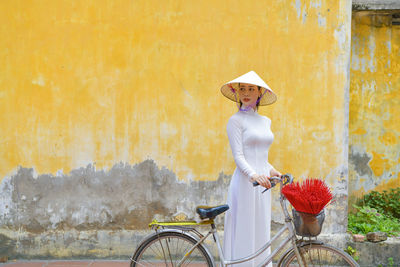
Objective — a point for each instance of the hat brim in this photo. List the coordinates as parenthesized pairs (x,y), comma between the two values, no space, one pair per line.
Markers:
(230,90)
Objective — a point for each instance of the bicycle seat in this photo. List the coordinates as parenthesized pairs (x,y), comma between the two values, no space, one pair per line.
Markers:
(210,212)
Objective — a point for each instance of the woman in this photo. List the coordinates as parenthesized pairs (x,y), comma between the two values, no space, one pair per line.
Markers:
(248,221)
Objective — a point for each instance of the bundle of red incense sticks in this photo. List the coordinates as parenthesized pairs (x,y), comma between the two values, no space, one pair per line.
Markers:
(309,196)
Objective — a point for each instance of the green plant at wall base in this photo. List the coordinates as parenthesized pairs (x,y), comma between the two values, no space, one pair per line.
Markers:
(352,252)
(368,219)
(386,202)
(391,262)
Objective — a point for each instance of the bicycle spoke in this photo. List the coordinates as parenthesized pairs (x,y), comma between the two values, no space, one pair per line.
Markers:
(167,249)
(331,258)
(309,256)
(141,263)
(189,262)
(169,252)
(162,248)
(320,255)
(177,243)
(157,254)
(184,251)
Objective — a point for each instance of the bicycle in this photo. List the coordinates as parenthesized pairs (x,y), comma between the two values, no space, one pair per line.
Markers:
(180,244)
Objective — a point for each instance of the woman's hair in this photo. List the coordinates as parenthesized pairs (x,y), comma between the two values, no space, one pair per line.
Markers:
(258,102)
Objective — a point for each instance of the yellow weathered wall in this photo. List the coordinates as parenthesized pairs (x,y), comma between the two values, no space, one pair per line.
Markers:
(86,83)
(96,83)
(374,125)
(110,81)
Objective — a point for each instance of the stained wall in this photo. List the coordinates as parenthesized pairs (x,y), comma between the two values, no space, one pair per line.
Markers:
(374,126)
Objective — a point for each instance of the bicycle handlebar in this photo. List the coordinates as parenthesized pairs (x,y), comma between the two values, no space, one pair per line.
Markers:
(284,180)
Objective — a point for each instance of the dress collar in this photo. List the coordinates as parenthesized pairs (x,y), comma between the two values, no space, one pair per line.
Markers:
(249,111)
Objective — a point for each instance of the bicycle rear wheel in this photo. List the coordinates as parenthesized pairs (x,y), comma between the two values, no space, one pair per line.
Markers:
(319,255)
(168,249)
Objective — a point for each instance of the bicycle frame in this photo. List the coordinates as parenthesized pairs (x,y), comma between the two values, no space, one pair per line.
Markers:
(287,226)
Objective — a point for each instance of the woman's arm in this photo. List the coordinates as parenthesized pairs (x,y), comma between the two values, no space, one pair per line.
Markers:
(234,130)
(273,172)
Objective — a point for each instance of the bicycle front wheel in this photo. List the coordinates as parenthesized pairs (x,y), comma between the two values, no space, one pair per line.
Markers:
(168,249)
(319,255)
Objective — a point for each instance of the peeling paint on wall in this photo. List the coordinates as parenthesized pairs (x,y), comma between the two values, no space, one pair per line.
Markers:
(125,197)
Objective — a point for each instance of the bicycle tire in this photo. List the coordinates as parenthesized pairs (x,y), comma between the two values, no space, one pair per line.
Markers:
(167,249)
(319,255)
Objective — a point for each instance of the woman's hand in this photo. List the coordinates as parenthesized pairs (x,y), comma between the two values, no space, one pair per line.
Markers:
(263,180)
(274,173)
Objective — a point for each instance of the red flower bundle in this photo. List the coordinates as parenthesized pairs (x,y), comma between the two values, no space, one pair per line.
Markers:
(310,196)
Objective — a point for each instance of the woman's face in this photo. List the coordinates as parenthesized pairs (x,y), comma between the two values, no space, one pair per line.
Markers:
(248,94)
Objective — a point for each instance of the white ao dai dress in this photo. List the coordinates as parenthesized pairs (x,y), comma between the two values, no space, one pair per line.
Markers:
(248,221)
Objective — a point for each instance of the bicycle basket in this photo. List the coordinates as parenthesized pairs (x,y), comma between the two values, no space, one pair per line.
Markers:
(306,224)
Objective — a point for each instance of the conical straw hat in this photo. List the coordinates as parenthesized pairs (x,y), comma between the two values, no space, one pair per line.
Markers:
(231,88)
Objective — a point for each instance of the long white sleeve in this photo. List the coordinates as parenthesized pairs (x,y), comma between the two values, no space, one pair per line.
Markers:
(234,129)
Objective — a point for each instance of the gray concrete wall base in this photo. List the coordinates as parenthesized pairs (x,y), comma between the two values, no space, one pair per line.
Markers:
(72,244)
(376,254)
(121,244)
(111,244)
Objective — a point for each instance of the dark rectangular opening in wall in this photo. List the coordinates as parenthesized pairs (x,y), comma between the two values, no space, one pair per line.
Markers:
(396,19)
